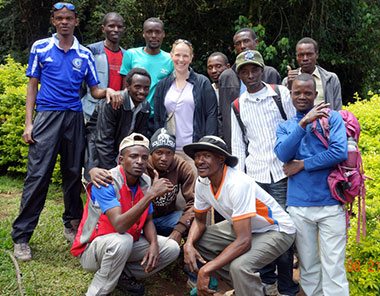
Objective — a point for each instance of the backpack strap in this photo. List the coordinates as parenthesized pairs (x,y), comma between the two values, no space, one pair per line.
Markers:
(236,108)
(277,100)
(318,134)
(324,123)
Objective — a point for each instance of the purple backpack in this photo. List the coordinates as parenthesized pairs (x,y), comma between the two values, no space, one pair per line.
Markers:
(346,181)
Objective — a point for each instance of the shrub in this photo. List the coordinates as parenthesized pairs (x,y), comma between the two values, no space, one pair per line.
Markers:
(13,150)
(363,259)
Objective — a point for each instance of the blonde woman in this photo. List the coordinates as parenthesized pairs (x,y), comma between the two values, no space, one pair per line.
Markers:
(185,101)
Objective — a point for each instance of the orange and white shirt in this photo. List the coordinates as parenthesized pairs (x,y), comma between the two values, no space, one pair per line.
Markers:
(239,197)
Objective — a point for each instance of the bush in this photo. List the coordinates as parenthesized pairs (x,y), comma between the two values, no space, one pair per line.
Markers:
(363,259)
(13,150)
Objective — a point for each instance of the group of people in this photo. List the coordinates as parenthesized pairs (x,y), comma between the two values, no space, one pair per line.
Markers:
(162,148)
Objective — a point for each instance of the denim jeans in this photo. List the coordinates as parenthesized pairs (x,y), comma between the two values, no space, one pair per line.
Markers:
(165,224)
(284,263)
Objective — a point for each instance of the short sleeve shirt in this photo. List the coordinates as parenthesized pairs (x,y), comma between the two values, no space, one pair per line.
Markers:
(60,74)
(106,198)
(158,66)
(239,197)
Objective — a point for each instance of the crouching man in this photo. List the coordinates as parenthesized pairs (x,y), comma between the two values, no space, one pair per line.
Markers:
(109,240)
(168,220)
(256,231)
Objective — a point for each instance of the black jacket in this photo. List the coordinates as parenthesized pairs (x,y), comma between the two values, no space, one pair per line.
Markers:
(205,121)
(108,127)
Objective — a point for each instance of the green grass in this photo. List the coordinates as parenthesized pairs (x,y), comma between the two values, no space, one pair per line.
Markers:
(53,270)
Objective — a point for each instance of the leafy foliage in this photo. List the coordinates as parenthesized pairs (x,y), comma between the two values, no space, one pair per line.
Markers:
(13,150)
(347,30)
(363,259)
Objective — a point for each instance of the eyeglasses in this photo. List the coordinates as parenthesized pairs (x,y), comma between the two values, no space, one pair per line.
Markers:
(60,5)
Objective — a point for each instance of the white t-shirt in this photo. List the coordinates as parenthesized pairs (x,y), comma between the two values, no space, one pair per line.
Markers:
(239,197)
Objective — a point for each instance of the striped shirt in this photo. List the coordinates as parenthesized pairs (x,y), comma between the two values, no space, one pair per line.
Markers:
(245,200)
(261,116)
(60,74)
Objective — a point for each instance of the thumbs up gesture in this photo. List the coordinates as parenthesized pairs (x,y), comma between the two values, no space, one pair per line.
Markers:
(291,75)
(160,186)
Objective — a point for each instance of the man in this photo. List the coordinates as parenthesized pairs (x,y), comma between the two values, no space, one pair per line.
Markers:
(108,127)
(217,62)
(60,64)
(256,231)
(319,218)
(109,240)
(168,221)
(261,116)
(108,56)
(328,85)
(231,87)
(150,57)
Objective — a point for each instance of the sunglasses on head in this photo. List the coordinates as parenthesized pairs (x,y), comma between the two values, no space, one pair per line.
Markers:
(183,41)
(60,5)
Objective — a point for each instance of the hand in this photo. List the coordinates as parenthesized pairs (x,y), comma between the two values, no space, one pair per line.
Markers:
(191,255)
(115,97)
(27,135)
(203,282)
(100,176)
(177,236)
(160,186)
(292,74)
(150,259)
(293,167)
(317,112)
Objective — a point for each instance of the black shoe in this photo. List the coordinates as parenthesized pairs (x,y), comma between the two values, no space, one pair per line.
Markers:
(130,285)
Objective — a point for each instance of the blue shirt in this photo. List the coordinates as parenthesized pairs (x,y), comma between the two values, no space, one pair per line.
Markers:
(158,66)
(60,74)
(106,198)
(309,187)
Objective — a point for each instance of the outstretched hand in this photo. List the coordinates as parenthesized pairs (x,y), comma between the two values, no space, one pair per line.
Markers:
(317,112)
(191,256)
(151,258)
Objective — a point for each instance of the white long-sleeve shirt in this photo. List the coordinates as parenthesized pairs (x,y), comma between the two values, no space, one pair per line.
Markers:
(261,116)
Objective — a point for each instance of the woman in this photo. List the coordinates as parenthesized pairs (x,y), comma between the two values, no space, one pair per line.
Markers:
(185,102)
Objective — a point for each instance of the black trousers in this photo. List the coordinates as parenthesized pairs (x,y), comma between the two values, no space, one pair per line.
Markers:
(54,132)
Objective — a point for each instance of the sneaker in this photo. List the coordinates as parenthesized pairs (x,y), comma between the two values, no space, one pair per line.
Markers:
(271,289)
(69,234)
(130,285)
(70,231)
(22,252)
(230,293)
(191,277)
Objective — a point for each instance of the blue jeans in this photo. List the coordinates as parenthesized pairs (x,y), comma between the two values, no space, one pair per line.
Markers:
(165,224)
(284,263)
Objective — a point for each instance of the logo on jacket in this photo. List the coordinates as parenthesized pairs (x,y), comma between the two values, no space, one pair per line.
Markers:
(167,198)
(77,63)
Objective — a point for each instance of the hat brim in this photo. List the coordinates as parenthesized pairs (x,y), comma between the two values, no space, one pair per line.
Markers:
(249,62)
(193,148)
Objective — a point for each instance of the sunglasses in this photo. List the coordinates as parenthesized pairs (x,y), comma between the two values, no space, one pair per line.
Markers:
(178,41)
(60,5)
